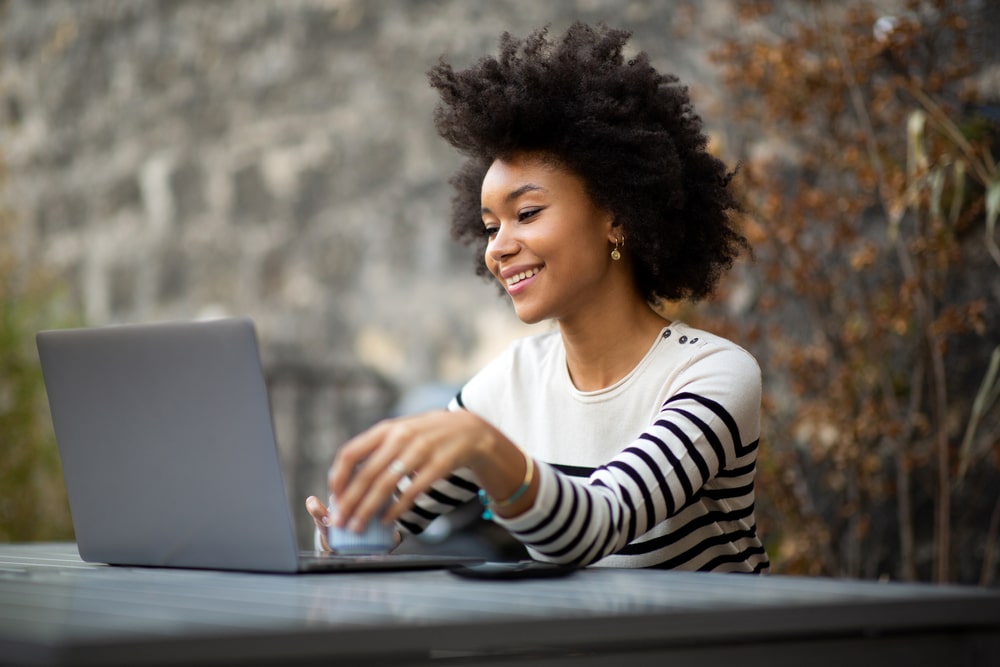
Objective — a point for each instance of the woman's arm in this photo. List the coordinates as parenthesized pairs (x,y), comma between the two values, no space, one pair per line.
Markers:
(699,450)
(424,449)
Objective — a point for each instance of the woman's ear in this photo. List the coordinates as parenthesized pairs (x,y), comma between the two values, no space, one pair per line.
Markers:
(616,233)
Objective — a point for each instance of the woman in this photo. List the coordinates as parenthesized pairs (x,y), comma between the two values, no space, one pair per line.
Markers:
(621,439)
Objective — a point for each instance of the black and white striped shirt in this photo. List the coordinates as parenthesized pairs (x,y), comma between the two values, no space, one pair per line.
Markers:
(655,471)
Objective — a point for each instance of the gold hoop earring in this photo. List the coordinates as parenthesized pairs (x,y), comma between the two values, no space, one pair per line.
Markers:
(616,253)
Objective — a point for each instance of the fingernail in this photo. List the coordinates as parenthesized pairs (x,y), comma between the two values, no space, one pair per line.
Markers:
(325,521)
(356,526)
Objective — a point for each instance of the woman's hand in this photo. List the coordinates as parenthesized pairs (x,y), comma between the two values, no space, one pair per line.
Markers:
(426,448)
(321,516)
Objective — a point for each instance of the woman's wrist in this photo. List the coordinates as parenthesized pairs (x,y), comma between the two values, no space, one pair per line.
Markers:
(490,504)
(507,476)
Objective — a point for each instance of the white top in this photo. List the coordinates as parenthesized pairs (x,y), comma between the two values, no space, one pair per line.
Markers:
(656,470)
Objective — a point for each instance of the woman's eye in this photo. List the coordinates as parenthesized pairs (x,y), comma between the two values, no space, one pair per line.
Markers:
(490,231)
(528,213)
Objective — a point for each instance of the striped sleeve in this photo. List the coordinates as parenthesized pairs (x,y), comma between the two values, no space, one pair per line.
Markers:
(676,477)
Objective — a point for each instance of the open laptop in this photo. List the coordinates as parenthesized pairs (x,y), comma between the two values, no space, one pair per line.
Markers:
(169,454)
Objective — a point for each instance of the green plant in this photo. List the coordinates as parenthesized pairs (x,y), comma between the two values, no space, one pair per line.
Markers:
(33,503)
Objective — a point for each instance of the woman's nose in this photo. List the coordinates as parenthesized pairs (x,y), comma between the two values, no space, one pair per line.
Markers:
(503,244)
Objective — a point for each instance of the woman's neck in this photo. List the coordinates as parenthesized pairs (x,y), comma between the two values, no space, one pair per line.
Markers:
(604,346)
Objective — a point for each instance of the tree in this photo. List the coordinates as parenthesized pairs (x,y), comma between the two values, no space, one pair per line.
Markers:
(872,197)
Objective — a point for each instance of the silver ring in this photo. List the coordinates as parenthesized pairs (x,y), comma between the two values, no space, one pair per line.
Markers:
(397,467)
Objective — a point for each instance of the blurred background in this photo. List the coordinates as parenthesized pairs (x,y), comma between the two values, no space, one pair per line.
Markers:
(187,159)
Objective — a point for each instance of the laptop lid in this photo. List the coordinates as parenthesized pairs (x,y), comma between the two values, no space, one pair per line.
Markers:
(167,445)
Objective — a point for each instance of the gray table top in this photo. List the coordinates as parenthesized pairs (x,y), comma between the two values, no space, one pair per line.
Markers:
(56,609)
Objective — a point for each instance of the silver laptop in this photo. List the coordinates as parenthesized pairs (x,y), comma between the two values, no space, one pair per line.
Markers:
(169,454)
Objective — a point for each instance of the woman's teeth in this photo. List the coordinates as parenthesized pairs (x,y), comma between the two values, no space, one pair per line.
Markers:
(515,279)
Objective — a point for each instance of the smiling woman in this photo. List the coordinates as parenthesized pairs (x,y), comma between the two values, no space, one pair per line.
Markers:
(621,439)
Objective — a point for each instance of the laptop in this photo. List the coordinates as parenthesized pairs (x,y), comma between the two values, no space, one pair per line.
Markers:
(169,455)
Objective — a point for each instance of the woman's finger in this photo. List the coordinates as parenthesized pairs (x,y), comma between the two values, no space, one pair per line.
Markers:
(321,517)
(396,448)
(425,448)
(318,511)
(439,454)
(418,484)
(371,489)
(352,454)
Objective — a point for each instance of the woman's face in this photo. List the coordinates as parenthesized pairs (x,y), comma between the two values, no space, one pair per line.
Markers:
(548,243)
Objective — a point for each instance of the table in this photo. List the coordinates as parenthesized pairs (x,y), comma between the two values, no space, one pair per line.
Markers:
(57,610)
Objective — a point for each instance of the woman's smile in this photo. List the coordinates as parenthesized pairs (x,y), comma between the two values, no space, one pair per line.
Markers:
(516,280)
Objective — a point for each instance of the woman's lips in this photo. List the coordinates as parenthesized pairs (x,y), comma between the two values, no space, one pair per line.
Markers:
(519,280)
(522,275)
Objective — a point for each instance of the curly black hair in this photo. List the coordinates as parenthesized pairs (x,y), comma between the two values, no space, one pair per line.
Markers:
(629,132)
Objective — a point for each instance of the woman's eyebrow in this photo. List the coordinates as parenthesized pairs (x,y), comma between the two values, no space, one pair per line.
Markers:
(517,192)
(527,187)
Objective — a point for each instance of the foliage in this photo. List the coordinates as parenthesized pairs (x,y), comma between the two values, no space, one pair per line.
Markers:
(33,503)
(872,197)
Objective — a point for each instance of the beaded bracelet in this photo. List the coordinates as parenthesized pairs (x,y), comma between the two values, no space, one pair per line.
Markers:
(489,502)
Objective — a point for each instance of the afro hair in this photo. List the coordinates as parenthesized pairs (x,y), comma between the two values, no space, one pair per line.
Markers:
(629,132)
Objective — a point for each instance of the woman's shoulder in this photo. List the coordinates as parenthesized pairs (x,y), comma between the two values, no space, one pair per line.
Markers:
(705,352)
(713,371)
(702,341)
